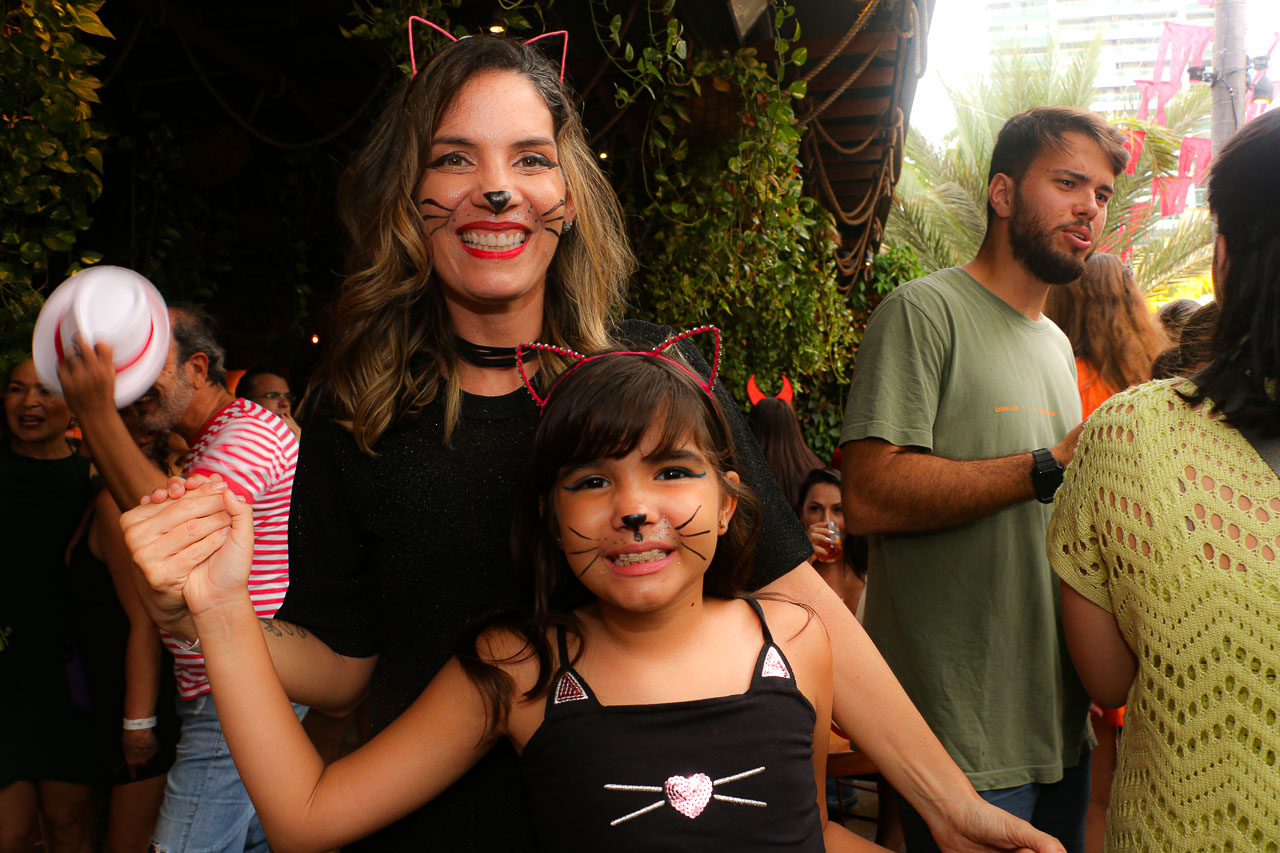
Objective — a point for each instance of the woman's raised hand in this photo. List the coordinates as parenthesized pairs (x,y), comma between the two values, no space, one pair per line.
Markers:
(193,543)
(821,537)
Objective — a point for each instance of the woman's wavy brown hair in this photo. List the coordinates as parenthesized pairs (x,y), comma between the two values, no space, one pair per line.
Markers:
(1108,322)
(392,345)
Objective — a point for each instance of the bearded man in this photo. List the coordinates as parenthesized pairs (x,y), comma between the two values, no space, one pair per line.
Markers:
(254,452)
(962,414)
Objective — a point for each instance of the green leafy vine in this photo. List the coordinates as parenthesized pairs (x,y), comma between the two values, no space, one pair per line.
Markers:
(49,146)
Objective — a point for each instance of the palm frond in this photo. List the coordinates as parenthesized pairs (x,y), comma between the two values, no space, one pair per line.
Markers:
(941,200)
(1168,256)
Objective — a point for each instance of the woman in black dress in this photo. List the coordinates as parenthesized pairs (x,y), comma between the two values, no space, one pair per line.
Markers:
(45,768)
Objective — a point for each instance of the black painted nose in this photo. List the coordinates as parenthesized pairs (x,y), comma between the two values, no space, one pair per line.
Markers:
(634,521)
(498,200)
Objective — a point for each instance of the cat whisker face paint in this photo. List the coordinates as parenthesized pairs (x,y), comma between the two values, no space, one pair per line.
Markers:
(637,528)
(492,199)
(633,443)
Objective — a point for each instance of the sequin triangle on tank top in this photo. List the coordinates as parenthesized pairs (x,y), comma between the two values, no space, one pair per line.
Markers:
(773,666)
(569,690)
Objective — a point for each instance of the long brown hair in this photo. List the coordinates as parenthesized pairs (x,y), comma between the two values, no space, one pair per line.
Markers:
(603,410)
(1107,320)
(392,344)
(777,430)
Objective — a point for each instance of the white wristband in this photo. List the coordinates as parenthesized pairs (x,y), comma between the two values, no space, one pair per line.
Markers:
(139,725)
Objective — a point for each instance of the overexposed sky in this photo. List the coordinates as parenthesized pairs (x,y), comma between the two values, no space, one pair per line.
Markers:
(957,52)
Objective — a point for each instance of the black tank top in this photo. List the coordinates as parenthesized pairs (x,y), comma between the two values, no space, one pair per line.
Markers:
(725,773)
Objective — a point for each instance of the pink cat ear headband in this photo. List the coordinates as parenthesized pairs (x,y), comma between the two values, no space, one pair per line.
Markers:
(657,352)
(413,56)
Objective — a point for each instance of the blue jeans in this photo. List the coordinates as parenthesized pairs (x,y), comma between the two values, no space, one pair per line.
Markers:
(1057,808)
(206,808)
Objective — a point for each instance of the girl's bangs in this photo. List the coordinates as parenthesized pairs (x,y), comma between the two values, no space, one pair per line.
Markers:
(606,407)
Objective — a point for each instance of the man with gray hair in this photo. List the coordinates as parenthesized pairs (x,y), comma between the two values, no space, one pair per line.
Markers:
(254,452)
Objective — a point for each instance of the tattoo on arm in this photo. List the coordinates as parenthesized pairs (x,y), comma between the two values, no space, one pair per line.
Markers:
(278,628)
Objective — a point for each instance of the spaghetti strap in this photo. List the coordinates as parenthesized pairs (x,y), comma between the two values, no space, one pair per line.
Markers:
(771,663)
(764,626)
(566,685)
(563,647)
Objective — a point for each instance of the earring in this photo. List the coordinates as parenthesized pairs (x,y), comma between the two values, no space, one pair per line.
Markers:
(568,226)
(724,525)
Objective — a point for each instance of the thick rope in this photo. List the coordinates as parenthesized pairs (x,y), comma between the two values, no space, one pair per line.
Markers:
(858,24)
(875,51)
(876,131)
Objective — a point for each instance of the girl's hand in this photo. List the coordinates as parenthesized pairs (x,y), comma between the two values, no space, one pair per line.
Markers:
(197,547)
(139,747)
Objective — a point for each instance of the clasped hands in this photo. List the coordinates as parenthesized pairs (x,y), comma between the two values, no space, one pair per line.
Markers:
(192,542)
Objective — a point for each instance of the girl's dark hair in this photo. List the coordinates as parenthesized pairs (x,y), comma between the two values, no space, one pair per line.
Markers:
(777,431)
(1174,315)
(1244,196)
(1107,321)
(602,410)
(1195,346)
(1196,343)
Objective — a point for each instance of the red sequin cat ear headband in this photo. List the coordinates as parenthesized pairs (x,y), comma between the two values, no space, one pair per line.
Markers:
(413,57)
(657,352)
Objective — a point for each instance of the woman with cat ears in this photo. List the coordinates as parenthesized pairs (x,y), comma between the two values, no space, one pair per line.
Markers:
(478,219)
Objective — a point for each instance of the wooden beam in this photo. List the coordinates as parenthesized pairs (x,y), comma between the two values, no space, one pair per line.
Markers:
(820,46)
(870,154)
(838,173)
(831,78)
(848,107)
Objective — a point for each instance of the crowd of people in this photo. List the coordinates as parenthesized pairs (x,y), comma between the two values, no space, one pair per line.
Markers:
(591,605)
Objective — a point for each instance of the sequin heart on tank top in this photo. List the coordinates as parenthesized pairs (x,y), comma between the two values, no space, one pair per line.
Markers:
(689,795)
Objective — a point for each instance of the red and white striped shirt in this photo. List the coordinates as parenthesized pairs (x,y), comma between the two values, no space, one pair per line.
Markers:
(256,453)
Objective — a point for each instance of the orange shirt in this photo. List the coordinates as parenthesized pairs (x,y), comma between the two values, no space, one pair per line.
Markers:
(1093,388)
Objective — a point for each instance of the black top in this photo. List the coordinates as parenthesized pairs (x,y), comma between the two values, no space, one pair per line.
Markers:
(390,555)
(726,773)
(98,630)
(41,503)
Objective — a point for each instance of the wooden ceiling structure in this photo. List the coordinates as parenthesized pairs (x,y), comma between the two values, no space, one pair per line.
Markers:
(861,73)
(864,60)
(246,85)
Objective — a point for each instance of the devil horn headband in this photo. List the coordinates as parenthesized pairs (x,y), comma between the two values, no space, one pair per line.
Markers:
(755,395)
(579,359)
(413,56)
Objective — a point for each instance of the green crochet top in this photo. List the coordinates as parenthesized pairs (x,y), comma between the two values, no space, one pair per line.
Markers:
(1170,520)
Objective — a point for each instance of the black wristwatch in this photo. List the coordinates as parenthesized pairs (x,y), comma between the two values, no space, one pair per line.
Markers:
(1046,475)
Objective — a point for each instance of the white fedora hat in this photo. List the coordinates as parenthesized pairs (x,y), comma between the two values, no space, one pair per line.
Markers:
(105,304)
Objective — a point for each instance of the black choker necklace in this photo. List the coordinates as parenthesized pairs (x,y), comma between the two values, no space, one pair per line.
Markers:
(486,356)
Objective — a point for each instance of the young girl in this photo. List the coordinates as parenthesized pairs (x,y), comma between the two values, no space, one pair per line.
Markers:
(652,708)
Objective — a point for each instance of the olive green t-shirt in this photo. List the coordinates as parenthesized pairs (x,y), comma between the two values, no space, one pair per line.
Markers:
(968,617)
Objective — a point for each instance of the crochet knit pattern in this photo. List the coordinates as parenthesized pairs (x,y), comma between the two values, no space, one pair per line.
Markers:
(1170,520)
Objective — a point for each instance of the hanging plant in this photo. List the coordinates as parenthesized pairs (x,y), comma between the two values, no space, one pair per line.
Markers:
(49,146)
(728,235)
